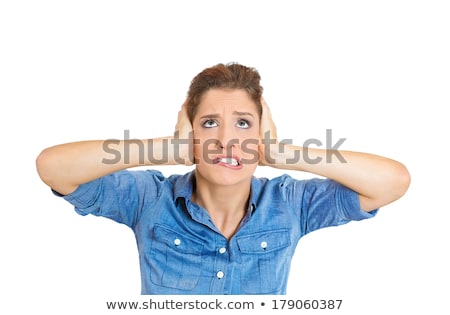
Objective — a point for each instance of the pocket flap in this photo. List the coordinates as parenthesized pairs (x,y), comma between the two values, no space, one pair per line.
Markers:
(263,242)
(177,240)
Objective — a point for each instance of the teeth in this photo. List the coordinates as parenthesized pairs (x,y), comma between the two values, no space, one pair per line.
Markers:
(230,161)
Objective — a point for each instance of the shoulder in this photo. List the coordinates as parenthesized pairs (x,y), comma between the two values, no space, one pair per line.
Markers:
(286,180)
(282,186)
(288,186)
(143,175)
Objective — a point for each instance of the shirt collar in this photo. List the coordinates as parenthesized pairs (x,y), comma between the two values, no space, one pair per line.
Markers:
(184,186)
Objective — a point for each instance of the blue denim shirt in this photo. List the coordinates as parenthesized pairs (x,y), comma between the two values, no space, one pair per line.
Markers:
(182,252)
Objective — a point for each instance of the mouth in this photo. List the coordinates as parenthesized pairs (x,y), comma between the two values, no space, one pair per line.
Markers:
(228,161)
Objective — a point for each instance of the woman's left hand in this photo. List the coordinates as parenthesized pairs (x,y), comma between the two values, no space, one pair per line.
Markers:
(268,145)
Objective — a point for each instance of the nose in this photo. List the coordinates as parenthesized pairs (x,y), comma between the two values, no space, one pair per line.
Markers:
(227,138)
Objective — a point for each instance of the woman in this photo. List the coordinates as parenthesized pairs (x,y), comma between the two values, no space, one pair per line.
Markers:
(219,229)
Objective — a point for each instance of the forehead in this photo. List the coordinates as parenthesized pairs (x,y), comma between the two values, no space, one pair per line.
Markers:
(218,100)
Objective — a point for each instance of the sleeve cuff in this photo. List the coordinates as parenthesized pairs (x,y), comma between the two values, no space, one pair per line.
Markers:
(351,208)
(83,197)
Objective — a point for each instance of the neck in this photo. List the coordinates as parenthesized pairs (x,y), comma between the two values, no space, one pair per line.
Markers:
(226,205)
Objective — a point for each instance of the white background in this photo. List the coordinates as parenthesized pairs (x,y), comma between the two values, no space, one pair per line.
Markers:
(375,72)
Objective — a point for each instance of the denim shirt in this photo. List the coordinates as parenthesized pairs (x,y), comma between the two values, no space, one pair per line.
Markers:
(182,252)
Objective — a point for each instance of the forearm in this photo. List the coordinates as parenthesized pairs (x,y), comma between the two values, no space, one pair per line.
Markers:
(377,180)
(64,167)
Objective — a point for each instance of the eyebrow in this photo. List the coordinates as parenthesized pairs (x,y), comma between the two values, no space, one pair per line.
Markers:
(242,113)
(234,113)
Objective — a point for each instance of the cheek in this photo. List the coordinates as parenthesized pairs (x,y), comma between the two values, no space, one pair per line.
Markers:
(250,140)
(250,151)
(198,140)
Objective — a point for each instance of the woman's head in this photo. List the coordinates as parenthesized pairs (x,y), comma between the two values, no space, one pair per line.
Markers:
(224,106)
(231,76)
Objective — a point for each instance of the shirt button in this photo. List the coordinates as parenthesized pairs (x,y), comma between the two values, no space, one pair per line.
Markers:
(222,250)
(264,245)
(177,241)
(220,275)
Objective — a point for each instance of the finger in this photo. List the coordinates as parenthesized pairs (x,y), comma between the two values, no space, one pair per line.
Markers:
(182,116)
(183,126)
(267,123)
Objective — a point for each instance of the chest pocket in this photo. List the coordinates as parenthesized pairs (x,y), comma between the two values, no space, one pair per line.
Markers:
(175,259)
(265,261)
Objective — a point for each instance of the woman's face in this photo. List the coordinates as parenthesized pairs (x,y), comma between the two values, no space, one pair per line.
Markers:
(226,133)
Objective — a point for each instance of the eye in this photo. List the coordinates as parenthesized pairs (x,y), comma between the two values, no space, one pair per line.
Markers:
(242,123)
(210,123)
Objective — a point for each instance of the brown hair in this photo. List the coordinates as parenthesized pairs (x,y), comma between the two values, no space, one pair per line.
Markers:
(225,76)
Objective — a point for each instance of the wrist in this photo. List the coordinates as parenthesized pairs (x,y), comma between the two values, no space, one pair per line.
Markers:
(286,156)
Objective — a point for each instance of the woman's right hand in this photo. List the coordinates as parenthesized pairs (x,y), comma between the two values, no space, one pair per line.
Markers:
(183,140)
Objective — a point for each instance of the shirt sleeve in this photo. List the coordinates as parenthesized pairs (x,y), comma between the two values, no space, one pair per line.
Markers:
(120,196)
(324,203)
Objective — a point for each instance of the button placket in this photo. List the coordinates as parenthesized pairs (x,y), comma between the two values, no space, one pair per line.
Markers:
(222,255)
(222,250)
(221,272)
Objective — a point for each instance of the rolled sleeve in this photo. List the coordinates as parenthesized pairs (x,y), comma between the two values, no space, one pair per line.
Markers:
(119,196)
(349,205)
(84,197)
(324,203)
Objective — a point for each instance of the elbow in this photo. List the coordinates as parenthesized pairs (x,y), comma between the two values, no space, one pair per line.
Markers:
(392,186)
(52,171)
(396,183)
(402,180)
(44,166)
